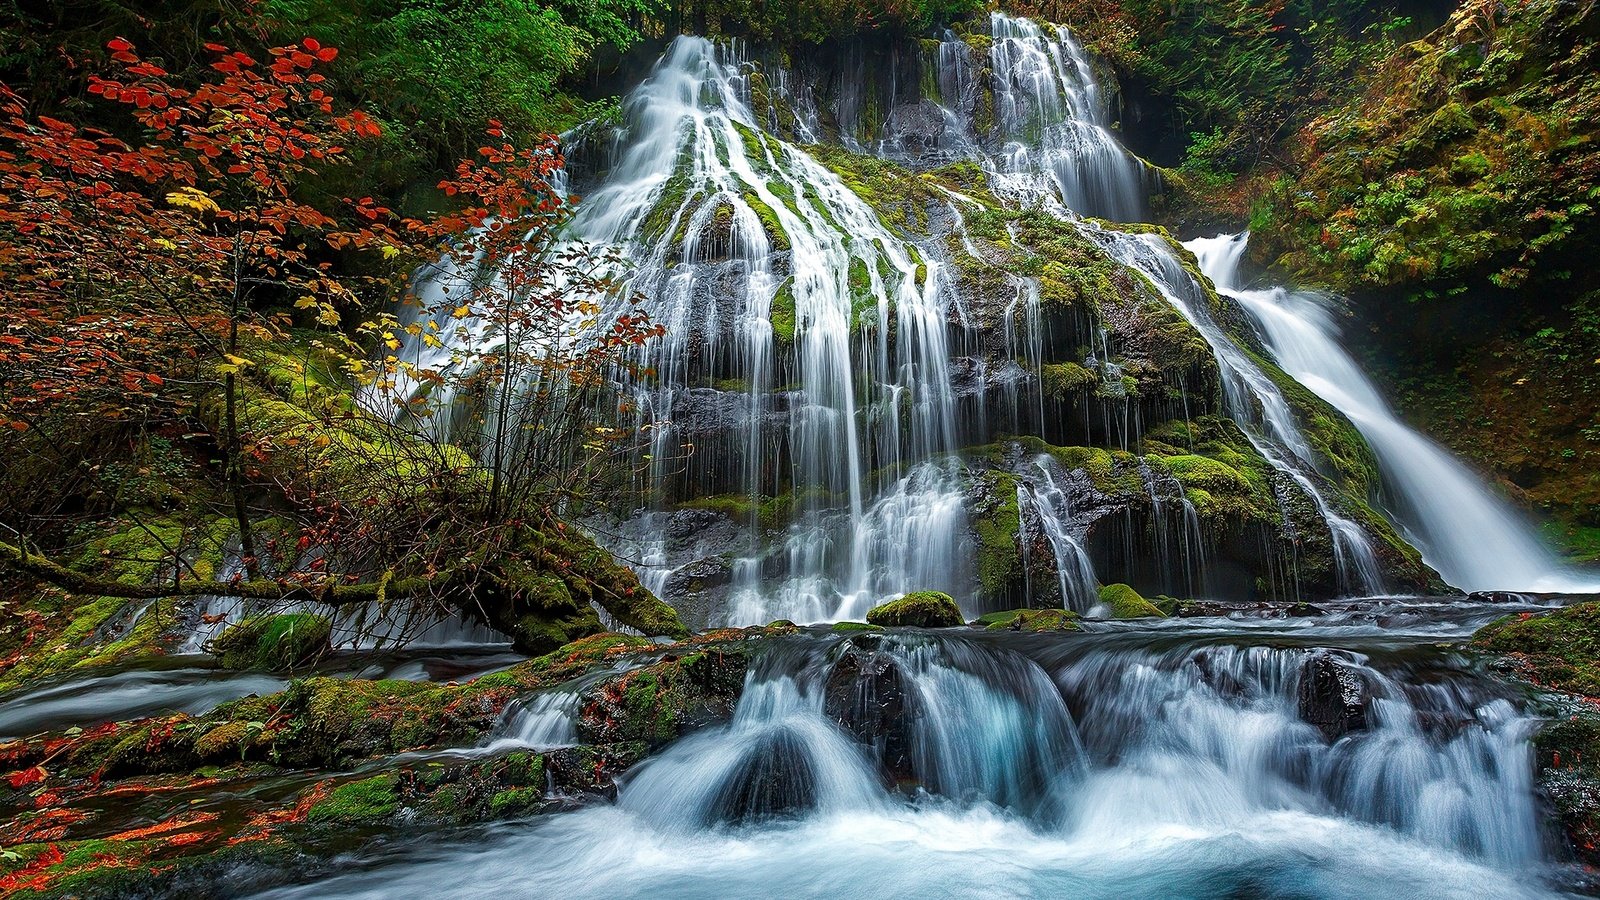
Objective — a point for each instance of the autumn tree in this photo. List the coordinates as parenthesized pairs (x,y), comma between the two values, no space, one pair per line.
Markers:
(149,280)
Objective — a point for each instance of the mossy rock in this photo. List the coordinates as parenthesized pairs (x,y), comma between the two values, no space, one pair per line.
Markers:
(369,801)
(1561,648)
(274,643)
(1126,603)
(1030,620)
(921,609)
(656,704)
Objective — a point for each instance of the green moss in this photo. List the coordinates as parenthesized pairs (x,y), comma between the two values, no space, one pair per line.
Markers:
(1125,602)
(1562,647)
(997,524)
(1063,381)
(288,641)
(920,609)
(1031,620)
(516,801)
(782,314)
(846,627)
(370,801)
(769,221)
(771,512)
(227,739)
(1579,542)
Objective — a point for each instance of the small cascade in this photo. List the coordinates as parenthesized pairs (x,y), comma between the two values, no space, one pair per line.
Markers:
(1473,538)
(1179,542)
(213,613)
(1207,732)
(547,721)
(1079,590)
(1051,124)
(1123,763)
(779,756)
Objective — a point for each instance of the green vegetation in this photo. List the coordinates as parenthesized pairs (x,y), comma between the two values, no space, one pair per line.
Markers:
(1030,620)
(919,609)
(1561,649)
(996,520)
(1125,603)
(369,801)
(1453,201)
(288,641)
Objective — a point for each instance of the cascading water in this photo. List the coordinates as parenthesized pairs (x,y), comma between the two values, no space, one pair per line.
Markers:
(806,385)
(1074,572)
(1474,539)
(1050,119)
(1250,397)
(1129,762)
(805,252)
(1046,90)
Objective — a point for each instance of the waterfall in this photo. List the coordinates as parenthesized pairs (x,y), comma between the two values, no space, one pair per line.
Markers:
(1060,153)
(1474,539)
(706,200)
(1051,124)
(821,372)
(1074,571)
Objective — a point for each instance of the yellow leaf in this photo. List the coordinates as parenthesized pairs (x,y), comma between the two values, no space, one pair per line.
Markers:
(328,316)
(462,311)
(193,198)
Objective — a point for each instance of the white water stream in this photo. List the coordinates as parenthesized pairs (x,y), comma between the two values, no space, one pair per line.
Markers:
(1472,537)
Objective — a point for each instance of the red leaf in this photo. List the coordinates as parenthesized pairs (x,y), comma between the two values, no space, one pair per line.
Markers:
(26,777)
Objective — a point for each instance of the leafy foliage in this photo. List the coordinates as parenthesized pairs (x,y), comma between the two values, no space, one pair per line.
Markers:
(192,246)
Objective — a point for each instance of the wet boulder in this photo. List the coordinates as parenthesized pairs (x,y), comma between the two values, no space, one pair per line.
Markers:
(1333,696)
(920,609)
(1126,603)
(918,128)
(1217,674)
(867,696)
(699,590)
(775,778)
(658,703)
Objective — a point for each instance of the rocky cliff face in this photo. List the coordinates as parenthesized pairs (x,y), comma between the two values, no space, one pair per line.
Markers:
(898,355)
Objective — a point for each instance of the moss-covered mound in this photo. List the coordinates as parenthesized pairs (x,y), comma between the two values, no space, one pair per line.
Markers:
(922,609)
(1559,650)
(1125,602)
(1029,620)
(274,643)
